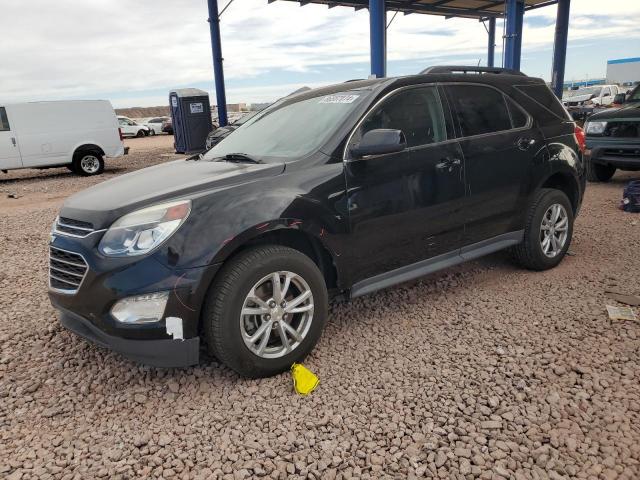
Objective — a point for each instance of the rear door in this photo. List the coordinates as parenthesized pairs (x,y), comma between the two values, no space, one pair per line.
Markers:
(500,145)
(404,207)
(9,148)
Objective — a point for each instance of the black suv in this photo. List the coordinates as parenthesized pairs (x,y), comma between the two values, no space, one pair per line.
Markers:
(613,139)
(338,191)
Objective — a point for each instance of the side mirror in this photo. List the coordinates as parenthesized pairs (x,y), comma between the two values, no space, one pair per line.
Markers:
(379,142)
(619,98)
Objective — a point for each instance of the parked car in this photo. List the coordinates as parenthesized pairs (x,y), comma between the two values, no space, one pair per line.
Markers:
(131,128)
(613,138)
(583,102)
(155,124)
(216,135)
(78,134)
(597,95)
(167,126)
(338,191)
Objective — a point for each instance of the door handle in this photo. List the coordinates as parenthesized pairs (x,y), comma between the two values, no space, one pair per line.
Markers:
(448,163)
(13,140)
(524,143)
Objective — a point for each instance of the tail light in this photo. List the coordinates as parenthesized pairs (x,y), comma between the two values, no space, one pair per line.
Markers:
(120,133)
(580,138)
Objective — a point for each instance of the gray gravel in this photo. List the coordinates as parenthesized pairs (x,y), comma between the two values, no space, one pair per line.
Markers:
(484,371)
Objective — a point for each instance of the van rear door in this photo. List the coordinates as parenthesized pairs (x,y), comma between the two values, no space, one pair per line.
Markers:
(9,149)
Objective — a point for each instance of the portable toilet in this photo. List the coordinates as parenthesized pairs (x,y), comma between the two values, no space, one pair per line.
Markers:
(191,118)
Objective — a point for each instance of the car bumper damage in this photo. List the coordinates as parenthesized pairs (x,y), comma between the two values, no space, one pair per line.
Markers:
(140,308)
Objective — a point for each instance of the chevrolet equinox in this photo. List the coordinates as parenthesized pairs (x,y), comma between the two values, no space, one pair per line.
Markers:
(338,191)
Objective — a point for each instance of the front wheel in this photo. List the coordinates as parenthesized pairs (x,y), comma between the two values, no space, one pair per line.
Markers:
(597,172)
(141,134)
(265,311)
(88,163)
(548,231)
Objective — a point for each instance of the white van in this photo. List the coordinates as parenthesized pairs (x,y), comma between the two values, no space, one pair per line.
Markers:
(78,134)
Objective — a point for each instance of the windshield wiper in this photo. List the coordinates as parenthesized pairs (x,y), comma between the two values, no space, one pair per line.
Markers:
(241,157)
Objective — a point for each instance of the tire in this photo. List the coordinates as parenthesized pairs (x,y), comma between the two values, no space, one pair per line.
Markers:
(88,163)
(227,297)
(529,253)
(141,134)
(597,172)
(152,132)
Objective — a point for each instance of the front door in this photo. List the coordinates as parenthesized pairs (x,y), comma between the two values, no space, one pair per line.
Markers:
(500,146)
(405,207)
(9,149)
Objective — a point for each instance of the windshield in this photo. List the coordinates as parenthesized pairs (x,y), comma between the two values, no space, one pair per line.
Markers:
(583,91)
(288,130)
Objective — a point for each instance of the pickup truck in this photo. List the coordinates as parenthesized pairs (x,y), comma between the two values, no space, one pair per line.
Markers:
(613,138)
(583,102)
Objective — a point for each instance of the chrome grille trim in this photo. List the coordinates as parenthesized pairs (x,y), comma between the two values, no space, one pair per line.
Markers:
(73,228)
(64,279)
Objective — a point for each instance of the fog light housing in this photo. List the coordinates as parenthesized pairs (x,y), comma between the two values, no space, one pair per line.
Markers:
(147,308)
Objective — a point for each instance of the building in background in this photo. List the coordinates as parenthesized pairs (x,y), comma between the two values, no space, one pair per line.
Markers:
(623,71)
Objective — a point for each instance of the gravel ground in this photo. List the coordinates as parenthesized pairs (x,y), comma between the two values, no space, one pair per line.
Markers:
(484,371)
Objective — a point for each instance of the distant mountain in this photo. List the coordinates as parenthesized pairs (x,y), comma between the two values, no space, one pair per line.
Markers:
(143,112)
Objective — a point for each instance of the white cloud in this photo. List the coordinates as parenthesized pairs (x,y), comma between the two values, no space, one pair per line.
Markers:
(74,48)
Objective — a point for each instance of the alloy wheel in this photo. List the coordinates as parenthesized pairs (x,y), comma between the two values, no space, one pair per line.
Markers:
(554,230)
(276,314)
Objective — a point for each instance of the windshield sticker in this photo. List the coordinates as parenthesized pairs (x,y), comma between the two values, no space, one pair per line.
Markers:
(339,99)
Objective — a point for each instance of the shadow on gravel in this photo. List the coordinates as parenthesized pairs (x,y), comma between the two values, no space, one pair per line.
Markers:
(57,173)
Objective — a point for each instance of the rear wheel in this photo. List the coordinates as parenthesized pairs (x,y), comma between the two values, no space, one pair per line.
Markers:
(548,231)
(141,134)
(88,163)
(597,172)
(265,311)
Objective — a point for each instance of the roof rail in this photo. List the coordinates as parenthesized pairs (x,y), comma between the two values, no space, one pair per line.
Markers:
(470,69)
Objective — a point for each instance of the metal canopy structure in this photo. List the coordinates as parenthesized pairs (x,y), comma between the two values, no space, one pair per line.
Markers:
(479,9)
(484,10)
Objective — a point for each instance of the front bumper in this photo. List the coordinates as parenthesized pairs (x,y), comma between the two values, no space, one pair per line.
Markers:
(156,353)
(108,280)
(621,153)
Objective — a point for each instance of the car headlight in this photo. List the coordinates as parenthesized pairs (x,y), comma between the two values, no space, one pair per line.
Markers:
(141,231)
(596,128)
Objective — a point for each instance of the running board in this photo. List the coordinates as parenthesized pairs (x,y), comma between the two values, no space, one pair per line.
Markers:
(431,265)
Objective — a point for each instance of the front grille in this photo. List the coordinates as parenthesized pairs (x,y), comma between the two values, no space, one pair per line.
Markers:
(75,228)
(623,129)
(66,270)
(622,152)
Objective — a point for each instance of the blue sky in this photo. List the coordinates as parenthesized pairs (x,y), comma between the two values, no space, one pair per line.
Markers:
(140,50)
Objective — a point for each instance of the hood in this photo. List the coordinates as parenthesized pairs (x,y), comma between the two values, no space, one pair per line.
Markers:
(102,204)
(627,111)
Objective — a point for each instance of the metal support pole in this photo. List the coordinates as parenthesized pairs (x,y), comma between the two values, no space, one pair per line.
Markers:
(378,37)
(513,37)
(491,52)
(560,47)
(218,71)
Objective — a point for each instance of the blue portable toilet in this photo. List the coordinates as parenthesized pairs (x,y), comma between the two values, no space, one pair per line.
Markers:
(191,118)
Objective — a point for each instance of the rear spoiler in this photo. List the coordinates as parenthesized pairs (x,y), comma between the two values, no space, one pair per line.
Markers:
(470,69)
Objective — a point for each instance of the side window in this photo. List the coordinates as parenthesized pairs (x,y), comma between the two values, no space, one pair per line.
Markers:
(479,109)
(542,95)
(519,119)
(606,92)
(416,111)
(122,121)
(4,121)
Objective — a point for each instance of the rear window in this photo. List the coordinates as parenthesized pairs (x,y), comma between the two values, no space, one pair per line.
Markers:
(4,121)
(479,109)
(542,95)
